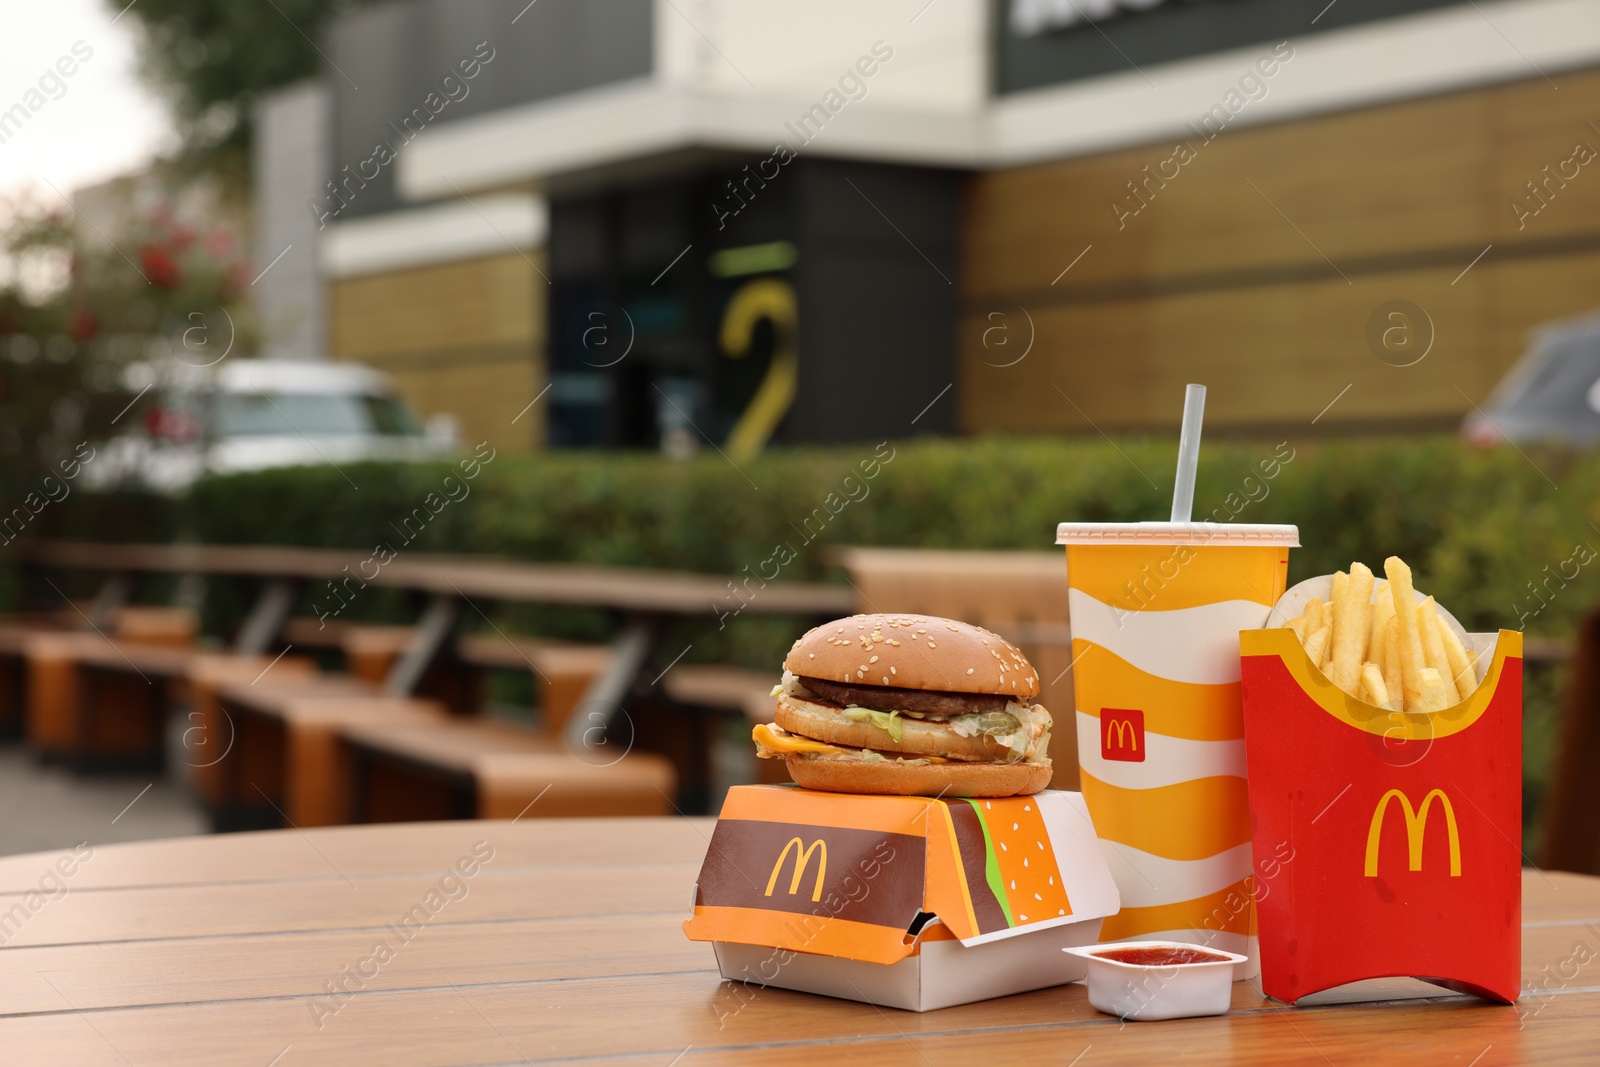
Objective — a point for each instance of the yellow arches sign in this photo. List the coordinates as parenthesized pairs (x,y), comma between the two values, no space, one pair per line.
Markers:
(1416,829)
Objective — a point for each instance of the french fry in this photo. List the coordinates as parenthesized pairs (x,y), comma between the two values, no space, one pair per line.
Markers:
(1463,667)
(1317,645)
(1376,642)
(1435,695)
(1392,680)
(1351,618)
(1382,608)
(1373,691)
(1340,580)
(1433,647)
(1412,662)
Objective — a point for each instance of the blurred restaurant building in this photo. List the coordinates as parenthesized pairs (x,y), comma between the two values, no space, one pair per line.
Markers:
(738,220)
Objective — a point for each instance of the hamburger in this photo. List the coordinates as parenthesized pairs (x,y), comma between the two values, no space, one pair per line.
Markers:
(909,704)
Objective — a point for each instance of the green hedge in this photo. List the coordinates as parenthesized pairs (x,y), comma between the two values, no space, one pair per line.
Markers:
(1477,526)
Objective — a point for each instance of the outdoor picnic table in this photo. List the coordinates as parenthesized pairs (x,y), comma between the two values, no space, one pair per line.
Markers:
(564,944)
(644,600)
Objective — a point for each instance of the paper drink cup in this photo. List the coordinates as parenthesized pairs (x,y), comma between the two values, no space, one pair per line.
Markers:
(1155,610)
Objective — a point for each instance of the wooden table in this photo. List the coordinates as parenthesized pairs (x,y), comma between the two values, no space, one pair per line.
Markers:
(565,946)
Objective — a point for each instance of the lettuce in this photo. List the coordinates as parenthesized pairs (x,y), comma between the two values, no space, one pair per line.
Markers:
(888,722)
(993,723)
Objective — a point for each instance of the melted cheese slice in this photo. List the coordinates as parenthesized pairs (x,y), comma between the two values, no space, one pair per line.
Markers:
(778,739)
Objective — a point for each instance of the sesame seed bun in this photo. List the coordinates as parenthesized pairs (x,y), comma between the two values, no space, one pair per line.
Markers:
(917,736)
(918,779)
(914,652)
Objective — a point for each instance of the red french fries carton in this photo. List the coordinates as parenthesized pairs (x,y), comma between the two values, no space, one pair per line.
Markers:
(904,902)
(1386,844)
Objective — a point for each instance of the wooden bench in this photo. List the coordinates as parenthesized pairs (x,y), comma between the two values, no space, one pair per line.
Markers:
(140,625)
(371,651)
(283,764)
(86,697)
(15,633)
(100,704)
(492,770)
(563,671)
(209,738)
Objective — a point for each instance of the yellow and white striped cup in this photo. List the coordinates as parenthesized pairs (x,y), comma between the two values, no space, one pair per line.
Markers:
(1155,610)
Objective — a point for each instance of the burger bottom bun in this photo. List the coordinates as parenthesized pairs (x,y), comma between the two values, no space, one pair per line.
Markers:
(918,779)
(918,737)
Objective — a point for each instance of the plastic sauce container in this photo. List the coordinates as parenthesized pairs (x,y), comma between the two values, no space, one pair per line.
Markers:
(1158,979)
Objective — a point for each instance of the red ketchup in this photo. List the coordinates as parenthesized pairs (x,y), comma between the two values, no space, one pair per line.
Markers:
(1160,956)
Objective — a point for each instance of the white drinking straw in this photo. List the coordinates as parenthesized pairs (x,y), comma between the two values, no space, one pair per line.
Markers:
(1194,409)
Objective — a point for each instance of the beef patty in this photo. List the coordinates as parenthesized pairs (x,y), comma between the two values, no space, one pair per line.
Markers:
(892,698)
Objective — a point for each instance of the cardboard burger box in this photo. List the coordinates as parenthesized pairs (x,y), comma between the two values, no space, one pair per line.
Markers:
(1386,843)
(905,902)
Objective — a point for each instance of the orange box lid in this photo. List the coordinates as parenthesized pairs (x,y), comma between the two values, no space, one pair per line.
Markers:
(870,877)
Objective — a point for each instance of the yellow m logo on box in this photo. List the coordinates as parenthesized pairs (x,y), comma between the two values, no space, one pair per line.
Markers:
(803,860)
(1416,829)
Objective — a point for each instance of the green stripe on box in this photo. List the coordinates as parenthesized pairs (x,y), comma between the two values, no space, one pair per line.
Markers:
(991,866)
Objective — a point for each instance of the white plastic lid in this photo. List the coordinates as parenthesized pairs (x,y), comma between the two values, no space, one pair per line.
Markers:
(1176,533)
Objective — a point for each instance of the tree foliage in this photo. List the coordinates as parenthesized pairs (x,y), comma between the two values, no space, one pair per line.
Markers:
(212,58)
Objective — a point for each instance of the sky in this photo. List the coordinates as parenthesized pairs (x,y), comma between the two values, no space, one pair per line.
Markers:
(99,122)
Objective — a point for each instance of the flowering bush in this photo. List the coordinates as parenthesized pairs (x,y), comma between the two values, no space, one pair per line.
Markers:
(80,302)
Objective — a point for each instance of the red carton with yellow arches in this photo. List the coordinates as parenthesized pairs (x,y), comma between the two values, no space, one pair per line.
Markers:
(1387,844)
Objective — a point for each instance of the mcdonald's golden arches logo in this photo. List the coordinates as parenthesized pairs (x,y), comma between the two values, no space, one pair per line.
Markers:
(1122,731)
(1416,829)
(1122,734)
(803,860)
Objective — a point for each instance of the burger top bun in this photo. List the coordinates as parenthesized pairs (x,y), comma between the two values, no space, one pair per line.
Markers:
(914,652)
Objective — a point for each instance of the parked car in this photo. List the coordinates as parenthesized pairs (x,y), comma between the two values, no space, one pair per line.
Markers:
(254,414)
(1551,394)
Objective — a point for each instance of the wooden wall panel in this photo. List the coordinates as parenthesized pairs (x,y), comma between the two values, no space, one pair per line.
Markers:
(484,388)
(1272,355)
(1531,126)
(475,301)
(1210,282)
(1097,355)
(465,338)
(1521,294)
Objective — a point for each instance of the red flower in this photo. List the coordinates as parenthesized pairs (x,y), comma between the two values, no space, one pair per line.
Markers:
(180,238)
(82,325)
(219,242)
(159,267)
